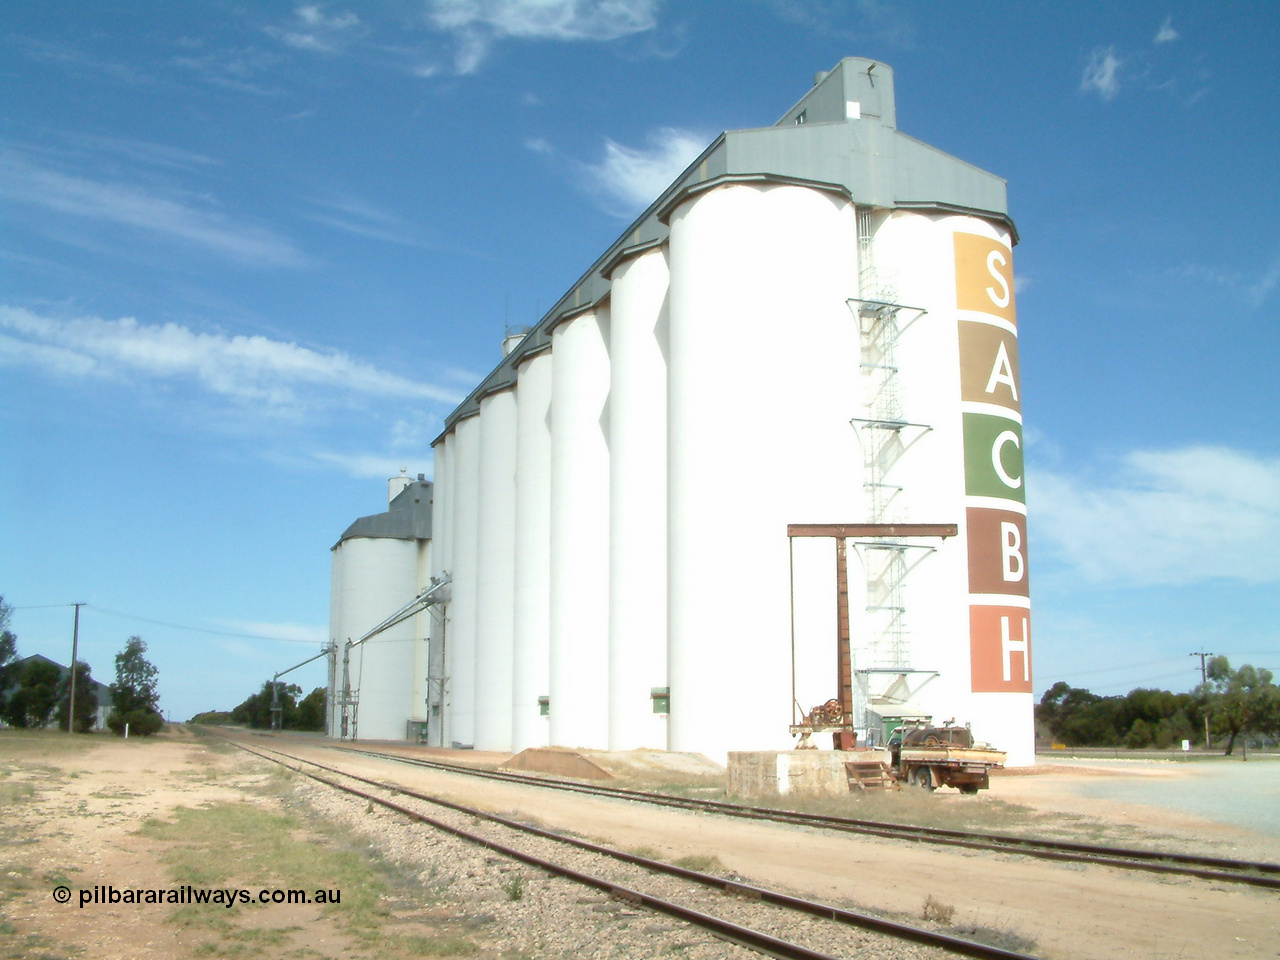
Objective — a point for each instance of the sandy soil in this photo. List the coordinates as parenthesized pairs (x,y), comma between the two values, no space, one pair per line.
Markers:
(78,827)
(1070,910)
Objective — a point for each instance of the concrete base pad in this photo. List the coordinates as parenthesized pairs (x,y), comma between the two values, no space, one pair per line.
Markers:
(775,773)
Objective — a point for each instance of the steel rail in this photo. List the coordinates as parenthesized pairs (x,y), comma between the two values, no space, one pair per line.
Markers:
(753,939)
(1252,873)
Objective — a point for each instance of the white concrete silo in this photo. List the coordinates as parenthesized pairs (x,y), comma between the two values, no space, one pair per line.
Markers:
(438,694)
(579,648)
(959,367)
(638,502)
(760,276)
(495,571)
(532,553)
(380,564)
(460,649)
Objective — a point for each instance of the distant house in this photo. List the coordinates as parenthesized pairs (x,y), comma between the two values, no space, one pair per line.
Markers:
(101,691)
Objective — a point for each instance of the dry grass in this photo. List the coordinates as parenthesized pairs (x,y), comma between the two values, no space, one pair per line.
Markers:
(244,845)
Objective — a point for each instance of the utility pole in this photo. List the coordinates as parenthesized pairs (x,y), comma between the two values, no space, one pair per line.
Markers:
(75,644)
(1204,678)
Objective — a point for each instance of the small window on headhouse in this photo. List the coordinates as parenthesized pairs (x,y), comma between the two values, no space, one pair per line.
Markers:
(661,698)
(802,117)
(544,706)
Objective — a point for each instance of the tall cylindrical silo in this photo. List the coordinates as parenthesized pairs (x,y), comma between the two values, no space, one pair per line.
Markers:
(460,650)
(579,681)
(760,276)
(422,629)
(438,695)
(333,716)
(638,502)
(532,586)
(495,571)
(959,364)
(378,577)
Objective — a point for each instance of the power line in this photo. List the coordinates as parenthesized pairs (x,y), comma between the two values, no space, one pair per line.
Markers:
(183,626)
(1130,666)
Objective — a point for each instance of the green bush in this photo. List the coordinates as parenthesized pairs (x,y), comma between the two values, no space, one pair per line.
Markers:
(142,723)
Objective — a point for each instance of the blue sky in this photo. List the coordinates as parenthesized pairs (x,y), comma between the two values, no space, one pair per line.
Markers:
(253,253)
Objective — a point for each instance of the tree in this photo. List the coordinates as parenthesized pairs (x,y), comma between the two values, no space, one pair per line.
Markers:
(32,703)
(86,700)
(255,711)
(311,709)
(8,654)
(134,695)
(1240,700)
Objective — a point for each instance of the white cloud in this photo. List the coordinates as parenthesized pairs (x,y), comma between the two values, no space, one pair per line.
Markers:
(314,30)
(248,369)
(1166,33)
(628,179)
(1260,289)
(1101,73)
(477,24)
(635,177)
(1171,517)
(174,217)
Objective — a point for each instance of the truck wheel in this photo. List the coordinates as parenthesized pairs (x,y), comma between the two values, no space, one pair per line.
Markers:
(969,788)
(923,777)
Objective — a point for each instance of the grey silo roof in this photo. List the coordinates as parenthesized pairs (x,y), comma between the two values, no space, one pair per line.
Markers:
(815,143)
(408,517)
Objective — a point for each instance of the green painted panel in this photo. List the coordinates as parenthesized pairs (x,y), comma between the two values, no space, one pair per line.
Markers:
(993,457)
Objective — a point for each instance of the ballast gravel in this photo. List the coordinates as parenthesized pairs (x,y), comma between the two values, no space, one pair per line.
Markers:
(514,909)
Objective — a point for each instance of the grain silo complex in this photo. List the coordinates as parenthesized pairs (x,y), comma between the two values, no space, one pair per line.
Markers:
(765,456)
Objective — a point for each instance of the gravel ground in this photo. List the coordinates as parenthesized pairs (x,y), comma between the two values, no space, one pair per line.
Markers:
(554,917)
(1226,790)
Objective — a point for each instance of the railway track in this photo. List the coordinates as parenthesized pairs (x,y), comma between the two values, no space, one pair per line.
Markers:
(1252,873)
(783,909)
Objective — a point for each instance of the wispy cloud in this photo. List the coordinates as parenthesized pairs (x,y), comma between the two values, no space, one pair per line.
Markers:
(361,466)
(79,63)
(1102,73)
(1254,287)
(477,24)
(238,69)
(1166,33)
(862,20)
(315,30)
(1165,517)
(268,373)
(627,179)
(174,216)
(1260,289)
(364,220)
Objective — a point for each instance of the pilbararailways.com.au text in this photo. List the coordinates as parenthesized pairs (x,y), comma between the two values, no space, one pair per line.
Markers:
(107,894)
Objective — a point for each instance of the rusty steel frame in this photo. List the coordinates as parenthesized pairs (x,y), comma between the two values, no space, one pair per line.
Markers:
(842,532)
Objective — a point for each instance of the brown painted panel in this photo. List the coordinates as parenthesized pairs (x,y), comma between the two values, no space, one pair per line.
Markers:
(984,276)
(1000,649)
(997,551)
(989,365)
